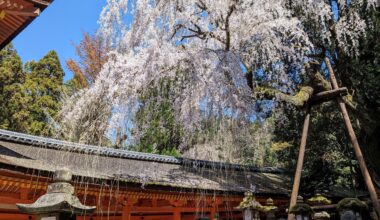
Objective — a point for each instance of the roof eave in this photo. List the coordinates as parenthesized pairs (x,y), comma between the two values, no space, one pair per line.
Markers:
(42,5)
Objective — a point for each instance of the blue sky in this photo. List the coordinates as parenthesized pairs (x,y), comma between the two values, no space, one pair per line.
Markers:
(58,28)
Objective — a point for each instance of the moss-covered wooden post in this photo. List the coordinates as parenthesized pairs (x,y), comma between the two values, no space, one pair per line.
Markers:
(301,210)
(319,200)
(59,202)
(351,209)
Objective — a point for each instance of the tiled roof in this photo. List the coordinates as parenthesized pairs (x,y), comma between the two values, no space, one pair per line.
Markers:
(46,154)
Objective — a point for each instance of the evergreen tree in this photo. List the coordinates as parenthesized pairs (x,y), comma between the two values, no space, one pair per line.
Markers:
(43,86)
(11,96)
(362,77)
(155,122)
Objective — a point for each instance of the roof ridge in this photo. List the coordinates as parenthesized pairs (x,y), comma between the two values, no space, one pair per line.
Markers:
(127,154)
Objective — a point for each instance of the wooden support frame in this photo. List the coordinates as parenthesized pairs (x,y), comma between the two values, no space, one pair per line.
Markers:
(336,94)
(355,143)
(328,95)
(329,207)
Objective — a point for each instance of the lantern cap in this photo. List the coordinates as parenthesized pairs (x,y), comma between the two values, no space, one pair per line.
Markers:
(59,198)
(352,204)
(269,206)
(249,202)
(319,199)
(300,207)
(270,202)
(322,215)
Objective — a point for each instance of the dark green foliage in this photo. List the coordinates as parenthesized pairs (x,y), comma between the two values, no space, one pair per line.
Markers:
(328,159)
(12,77)
(43,87)
(362,77)
(156,125)
(29,96)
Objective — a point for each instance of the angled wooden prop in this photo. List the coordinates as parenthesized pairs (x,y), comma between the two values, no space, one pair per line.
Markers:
(335,93)
(355,143)
(301,156)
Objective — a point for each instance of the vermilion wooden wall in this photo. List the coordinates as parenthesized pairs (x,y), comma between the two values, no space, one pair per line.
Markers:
(121,203)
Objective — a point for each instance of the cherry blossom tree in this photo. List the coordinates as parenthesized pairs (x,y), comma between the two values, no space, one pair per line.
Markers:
(215,50)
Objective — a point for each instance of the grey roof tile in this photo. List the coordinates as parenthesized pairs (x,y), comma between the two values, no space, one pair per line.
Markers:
(46,154)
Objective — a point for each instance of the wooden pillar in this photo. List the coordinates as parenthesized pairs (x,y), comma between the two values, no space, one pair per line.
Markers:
(212,212)
(355,143)
(213,207)
(126,215)
(177,213)
(177,204)
(301,156)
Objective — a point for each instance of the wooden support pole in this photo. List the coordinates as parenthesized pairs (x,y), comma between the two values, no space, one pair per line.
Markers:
(355,143)
(330,207)
(328,95)
(301,156)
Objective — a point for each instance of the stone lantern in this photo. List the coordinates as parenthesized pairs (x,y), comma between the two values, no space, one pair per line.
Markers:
(301,210)
(270,209)
(250,207)
(59,202)
(351,209)
(319,200)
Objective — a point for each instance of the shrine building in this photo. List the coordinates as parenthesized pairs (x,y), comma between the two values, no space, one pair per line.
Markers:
(122,184)
(129,185)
